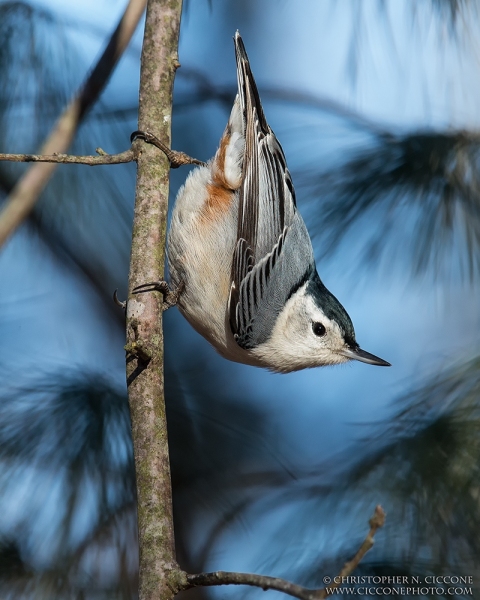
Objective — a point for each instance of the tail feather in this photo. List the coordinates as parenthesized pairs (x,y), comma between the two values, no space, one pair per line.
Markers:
(247,88)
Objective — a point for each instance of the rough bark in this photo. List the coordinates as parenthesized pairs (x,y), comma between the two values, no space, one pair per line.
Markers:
(159,574)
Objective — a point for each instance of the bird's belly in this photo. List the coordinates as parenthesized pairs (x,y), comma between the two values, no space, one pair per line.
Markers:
(200,255)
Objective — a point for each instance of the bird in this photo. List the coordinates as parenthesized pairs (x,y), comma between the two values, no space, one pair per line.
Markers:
(241,262)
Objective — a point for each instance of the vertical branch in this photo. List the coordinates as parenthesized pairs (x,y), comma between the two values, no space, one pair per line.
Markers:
(159,572)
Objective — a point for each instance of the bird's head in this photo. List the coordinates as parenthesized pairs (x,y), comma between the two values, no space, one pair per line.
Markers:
(313,330)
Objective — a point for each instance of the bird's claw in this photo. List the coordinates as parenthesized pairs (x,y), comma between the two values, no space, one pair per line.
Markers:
(118,302)
(170,297)
(176,159)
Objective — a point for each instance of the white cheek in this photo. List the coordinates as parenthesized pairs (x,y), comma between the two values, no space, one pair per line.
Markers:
(293,345)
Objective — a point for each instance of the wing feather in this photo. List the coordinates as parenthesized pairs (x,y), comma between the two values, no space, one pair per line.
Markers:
(266,209)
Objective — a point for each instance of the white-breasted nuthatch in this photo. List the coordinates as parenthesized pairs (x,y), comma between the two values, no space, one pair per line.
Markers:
(240,253)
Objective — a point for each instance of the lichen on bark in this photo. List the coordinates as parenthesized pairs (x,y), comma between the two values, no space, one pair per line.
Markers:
(159,576)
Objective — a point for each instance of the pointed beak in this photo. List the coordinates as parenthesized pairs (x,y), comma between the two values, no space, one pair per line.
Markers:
(359,354)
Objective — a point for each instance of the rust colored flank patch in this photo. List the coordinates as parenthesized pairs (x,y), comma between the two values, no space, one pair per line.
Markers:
(219,192)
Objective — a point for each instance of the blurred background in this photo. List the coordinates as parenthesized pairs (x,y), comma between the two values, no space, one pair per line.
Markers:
(376,106)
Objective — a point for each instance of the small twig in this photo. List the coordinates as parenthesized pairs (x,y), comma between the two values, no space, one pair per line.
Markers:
(103,158)
(377,521)
(281,585)
(92,161)
(262,581)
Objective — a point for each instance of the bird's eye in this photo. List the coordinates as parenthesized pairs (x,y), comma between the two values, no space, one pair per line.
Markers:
(319,329)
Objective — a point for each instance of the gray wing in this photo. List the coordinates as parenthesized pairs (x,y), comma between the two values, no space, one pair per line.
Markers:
(273,253)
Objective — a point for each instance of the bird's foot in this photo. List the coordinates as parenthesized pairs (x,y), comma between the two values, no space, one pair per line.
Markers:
(176,159)
(170,297)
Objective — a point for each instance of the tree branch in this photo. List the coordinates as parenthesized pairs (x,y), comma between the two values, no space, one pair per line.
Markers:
(103,158)
(159,577)
(262,581)
(24,195)
(281,585)
(376,522)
